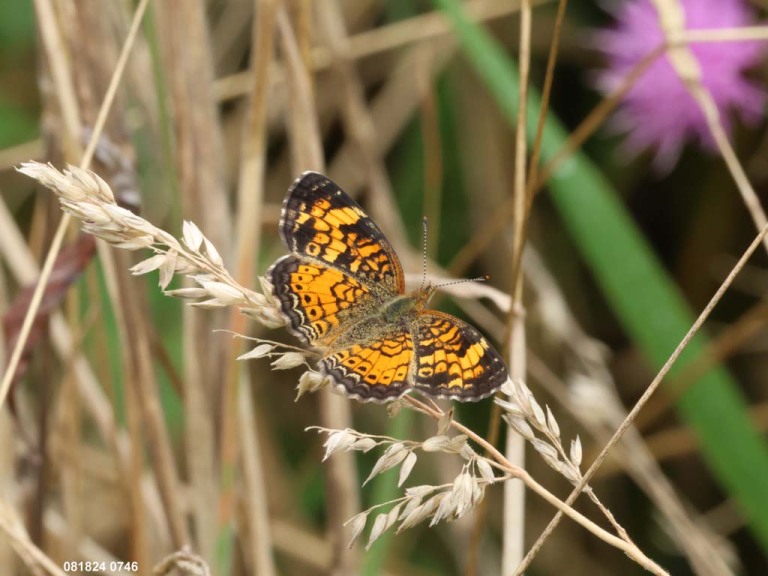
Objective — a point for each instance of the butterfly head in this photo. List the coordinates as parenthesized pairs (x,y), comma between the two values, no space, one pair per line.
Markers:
(423,295)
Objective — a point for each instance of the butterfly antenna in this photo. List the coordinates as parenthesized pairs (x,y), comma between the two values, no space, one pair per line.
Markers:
(424,255)
(463,280)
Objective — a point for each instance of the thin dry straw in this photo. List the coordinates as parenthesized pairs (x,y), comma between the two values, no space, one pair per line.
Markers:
(33,556)
(23,267)
(721,35)
(519,474)
(63,225)
(707,552)
(672,20)
(422,29)
(359,124)
(522,204)
(574,141)
(198,173)
(258,550)
(727,342)
(645,397)
(343,499)
(518,255)
(514,493)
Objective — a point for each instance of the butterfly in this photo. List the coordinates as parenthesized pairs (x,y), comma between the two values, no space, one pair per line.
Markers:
(342,291)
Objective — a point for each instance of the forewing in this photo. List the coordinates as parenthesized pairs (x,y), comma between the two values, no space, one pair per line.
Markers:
(315,299)
(454,360)
(320,221)
(379,369)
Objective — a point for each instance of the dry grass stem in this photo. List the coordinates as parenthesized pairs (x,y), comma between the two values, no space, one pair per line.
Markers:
(523,414)
(438,502)
(685,37)
(359,124)
(592,400)
(727,343)
(546,93)
(256,494)
(652,387)
(498,459)
(594,403)
(418,30)
(247,249)
(69,108)
(37,562)
(672,21)
(86,196)
(199,169)
(576,138)
(391,110)
(94,400)
(514,493)
(343,500)
(34,305)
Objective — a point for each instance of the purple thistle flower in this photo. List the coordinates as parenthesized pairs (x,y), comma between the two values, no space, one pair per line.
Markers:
(658,111)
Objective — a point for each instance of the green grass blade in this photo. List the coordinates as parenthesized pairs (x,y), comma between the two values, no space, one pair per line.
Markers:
(645,299)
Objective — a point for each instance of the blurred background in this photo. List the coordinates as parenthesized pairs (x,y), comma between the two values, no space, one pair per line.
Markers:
(129,428)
